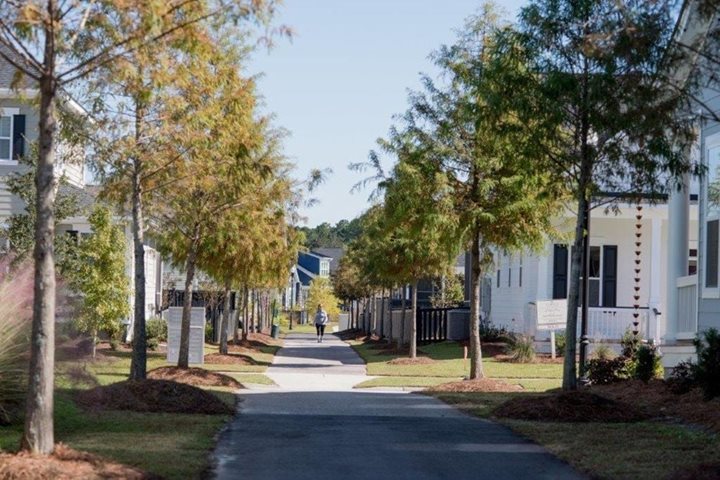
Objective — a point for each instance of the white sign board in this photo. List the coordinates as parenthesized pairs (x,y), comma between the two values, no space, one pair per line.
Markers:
(551,314)
(197,334)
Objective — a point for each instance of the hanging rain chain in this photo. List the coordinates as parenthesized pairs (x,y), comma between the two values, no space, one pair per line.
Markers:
(638,251)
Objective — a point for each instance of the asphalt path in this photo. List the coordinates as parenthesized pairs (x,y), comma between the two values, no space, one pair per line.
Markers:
(314,426)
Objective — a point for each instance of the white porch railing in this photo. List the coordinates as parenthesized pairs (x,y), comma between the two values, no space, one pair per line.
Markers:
(687,312)
(611,323)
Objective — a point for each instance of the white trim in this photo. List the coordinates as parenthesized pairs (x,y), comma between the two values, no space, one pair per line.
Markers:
(713,141)
(9,112)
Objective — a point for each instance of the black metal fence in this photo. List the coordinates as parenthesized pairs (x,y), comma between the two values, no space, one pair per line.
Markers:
(432,324)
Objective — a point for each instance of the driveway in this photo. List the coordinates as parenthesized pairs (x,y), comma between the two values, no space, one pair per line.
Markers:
(314,426)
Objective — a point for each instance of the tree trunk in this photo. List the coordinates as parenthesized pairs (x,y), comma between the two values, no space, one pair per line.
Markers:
(569,367)
(184,354)
(401,343)
(476,365)
(382,313)
(246,315)
(95,342)
(138,364)
(390,325)
(413,322)
(38,436)
(225,321)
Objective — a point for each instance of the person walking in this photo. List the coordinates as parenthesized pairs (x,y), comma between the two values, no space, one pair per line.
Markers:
(321,320)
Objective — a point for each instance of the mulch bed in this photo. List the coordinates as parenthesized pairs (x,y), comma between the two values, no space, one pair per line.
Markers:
(480,385)
(411,361)
(153,396)
(259,340)
(580,406)
(194,376)
(354,334)
(229,359)
(705,471)
(656,398)
(65,464)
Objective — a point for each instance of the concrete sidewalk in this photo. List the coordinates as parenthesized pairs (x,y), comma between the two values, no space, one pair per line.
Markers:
(314,426)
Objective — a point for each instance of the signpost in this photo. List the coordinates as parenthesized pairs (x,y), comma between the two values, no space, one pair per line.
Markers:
(551,315)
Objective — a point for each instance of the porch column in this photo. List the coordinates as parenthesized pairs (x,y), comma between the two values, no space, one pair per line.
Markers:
(654,296)
(677,264)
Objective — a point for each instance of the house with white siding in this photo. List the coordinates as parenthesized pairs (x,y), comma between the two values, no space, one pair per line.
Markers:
(519,281)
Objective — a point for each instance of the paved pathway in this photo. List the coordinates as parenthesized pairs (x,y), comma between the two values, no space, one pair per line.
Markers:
(314,426)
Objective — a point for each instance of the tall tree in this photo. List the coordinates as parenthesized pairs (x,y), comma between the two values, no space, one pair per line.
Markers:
(503,198)
(593,85)
(52,43)
(101,279)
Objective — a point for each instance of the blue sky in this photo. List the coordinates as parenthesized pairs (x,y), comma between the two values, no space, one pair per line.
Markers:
(337,84)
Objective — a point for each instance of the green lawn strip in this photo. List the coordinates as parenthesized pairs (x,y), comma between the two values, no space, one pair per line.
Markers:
(254,378)
(174,446)
(450,364)
(307,328)
(646,450)
(403,382)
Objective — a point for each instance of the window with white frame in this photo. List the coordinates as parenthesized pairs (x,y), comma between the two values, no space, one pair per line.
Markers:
(712,211)
(602,278)
(6,136)
(324,268)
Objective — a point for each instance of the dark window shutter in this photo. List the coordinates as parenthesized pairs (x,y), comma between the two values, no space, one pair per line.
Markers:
(560,265)
(711,254)
(609,276)
(18,140)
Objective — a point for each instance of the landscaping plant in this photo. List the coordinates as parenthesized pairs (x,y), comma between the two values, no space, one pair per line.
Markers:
(646,363)
(604,371)
(491,333)
(156,328)
(15,298)
(603,351)
(707,370)
(521,348)
(682,379)
(560,341)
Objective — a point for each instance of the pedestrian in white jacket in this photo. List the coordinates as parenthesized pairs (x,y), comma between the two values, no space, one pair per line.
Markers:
(321,320)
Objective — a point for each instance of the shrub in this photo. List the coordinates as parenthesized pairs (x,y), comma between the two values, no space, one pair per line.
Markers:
(153,344)
(15,300)
(630,344)
(491,333)
(114,344)
(603,351)
(646,363)
(156,327)
(682,379)
(604,371)
(208,333)
(521,348)
(560,343)
(707,371)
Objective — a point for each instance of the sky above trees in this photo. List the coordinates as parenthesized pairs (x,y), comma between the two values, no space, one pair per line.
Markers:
(346,72)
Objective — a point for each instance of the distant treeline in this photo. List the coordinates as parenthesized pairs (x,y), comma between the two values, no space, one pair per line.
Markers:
(326,235)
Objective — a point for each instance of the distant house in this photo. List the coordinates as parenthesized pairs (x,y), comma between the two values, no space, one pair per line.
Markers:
(334,254)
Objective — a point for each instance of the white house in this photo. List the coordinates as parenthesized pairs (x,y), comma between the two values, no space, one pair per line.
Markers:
(519,281)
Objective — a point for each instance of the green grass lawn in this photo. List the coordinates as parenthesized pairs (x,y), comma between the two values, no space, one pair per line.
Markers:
(174,446)
(646,450)
(450,365)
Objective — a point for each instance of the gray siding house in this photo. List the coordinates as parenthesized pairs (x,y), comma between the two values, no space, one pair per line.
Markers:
(18,130)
